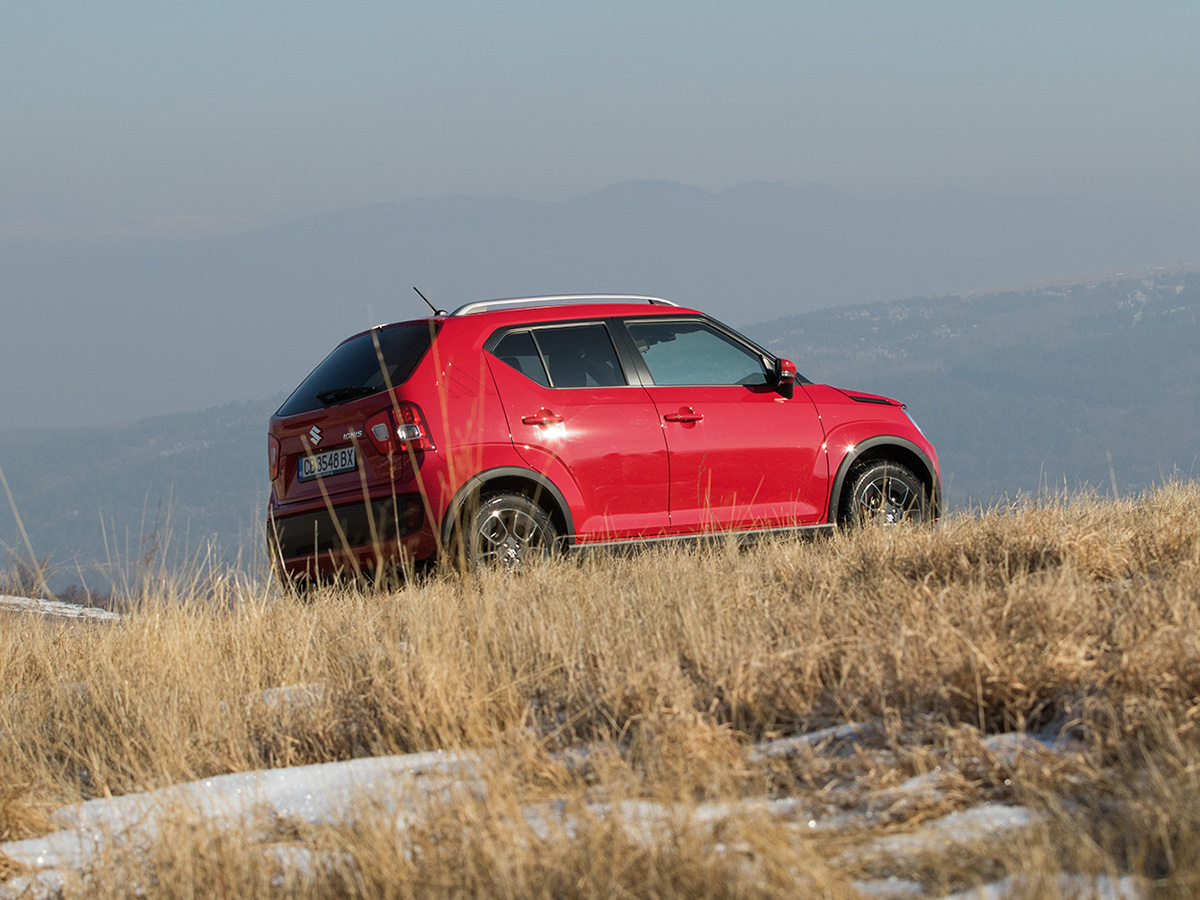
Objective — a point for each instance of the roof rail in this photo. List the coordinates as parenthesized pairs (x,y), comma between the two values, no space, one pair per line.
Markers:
(484,305)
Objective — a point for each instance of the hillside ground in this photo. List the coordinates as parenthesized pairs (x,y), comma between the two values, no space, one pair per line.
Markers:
(1010,699)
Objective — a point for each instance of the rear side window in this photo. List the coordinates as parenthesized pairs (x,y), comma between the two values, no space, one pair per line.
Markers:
(518,350)
(580,356)
(563,356)
(361,366)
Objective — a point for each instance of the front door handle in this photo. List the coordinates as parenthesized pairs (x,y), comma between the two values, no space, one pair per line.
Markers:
(542,417)
(685,414)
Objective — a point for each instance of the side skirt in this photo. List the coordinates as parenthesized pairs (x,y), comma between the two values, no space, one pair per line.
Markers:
(703,538)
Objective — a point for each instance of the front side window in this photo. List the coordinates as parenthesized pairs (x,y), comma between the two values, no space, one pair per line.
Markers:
(688,352)
(563,356)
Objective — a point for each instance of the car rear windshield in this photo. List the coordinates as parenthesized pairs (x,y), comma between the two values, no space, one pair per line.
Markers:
(362,366)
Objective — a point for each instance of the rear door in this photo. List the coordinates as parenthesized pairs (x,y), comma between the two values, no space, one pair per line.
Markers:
(743,454)
(573,415)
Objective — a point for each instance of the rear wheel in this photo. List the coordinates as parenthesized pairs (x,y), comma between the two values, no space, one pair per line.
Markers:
(884,492)
(506,531)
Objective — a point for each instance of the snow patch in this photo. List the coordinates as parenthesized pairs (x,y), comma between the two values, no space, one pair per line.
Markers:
(404,789)
(56,608)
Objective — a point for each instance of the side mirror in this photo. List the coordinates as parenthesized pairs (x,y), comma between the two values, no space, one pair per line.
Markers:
(785,372)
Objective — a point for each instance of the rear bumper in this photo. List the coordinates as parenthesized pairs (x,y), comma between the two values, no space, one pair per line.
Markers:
(350,537)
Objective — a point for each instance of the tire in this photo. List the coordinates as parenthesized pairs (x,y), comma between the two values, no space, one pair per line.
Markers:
(507,531)
(883,492)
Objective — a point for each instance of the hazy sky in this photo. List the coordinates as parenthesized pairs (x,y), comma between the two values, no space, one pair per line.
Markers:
(132,116)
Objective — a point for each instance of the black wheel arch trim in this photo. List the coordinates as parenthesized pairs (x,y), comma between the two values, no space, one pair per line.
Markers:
(868,449)
(478,484)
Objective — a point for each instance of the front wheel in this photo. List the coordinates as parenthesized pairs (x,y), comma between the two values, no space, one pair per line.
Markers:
(506,531)
(884,492)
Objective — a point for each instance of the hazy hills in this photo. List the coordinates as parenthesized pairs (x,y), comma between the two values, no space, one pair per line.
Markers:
(1024,391)
(100,334)
(1020,391)
(101,501)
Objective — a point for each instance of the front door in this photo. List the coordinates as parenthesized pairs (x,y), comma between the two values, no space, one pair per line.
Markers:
(742,454)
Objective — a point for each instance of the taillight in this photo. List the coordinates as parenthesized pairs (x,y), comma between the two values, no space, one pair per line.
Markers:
(273,456)
(399,429)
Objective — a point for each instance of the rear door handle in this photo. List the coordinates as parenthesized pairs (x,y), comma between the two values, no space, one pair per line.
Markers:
(542,417)
(685,414)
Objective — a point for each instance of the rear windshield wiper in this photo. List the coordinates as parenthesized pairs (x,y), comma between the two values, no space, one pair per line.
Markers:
(337,395)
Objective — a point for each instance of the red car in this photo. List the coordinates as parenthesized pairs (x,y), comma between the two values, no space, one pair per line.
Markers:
(510,428)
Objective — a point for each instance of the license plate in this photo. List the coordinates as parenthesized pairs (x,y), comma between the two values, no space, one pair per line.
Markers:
(331,462)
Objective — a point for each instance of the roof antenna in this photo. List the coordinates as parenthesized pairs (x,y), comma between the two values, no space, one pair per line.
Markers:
(436,311)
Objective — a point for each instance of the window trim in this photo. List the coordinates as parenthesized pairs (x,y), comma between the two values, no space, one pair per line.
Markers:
(633,364)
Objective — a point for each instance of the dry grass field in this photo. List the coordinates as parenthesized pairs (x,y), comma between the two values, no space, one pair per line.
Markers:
(820,718)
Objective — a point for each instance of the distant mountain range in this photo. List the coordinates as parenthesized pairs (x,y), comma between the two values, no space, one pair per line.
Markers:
(101,334)
(103,504)
(1030,391)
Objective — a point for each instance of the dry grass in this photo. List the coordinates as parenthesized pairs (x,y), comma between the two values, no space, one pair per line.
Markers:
(1076,618)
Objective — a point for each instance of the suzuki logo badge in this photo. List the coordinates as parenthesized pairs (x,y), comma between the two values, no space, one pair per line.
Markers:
(314,435)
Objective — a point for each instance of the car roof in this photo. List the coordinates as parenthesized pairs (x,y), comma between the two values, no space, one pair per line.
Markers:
(548,308)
